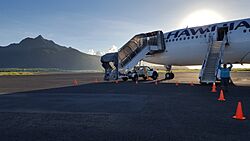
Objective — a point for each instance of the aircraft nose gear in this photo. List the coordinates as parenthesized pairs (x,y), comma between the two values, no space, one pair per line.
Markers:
(169,76)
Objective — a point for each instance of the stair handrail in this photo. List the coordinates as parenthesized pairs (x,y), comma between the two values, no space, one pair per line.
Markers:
(210,42)
(221,54)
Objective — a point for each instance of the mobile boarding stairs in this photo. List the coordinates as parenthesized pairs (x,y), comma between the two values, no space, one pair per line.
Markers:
(136,49)
(214,57)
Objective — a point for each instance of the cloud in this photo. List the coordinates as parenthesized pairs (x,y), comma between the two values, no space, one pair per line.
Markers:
(91,52)
(114,48)
(99,53)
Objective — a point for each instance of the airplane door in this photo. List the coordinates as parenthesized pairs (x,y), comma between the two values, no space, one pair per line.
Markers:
(221,32)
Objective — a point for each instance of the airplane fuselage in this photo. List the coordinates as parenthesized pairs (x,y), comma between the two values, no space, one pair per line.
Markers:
(189,46)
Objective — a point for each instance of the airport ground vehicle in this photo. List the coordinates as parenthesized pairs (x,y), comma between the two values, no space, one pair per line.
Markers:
(140,71)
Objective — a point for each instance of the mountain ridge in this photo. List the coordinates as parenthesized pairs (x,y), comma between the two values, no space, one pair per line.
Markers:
(43,53)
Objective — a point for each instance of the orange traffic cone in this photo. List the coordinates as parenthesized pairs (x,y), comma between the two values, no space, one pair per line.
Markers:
(75,82)
(239,113)
(214,88)
(177,83)
(221,98)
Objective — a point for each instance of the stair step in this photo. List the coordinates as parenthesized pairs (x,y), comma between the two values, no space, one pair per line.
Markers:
(209,79)
(208,76)
(212,60)
(211,64)
(213,56)
(209,71)
(210,67)
(215,48)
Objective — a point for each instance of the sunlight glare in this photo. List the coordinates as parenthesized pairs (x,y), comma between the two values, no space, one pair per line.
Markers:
(201,17)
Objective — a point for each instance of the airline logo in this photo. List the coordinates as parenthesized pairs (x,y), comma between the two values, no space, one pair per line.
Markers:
(203,30)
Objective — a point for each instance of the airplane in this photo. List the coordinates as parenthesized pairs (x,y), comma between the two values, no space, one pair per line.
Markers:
(208,45)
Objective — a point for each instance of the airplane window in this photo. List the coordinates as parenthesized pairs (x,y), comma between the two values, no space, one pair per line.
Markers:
(173,40)
(245,31)
(196,37)
(188,38)
(169,41)
(192,37)
(166,41)
(205,36)
(180,38)
(177,39)
(184,38)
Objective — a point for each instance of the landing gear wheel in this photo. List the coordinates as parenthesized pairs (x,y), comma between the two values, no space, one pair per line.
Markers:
(125,79)
(169,76)
(155,75)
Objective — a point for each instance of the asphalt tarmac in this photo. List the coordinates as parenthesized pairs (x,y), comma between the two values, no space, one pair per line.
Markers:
(52,107)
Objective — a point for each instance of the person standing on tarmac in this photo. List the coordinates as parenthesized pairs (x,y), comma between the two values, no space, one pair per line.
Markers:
(225,76)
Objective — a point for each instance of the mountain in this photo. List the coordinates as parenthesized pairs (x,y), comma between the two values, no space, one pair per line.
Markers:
(42,53)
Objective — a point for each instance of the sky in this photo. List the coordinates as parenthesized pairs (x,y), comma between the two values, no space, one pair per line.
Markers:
(94,26)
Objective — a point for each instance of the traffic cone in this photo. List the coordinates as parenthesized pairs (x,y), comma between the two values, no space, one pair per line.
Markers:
(214,88)
(75,82)
(221,98)
(116,81)
(239,113)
